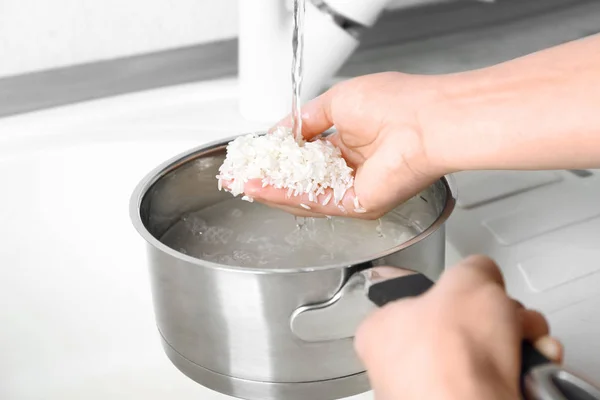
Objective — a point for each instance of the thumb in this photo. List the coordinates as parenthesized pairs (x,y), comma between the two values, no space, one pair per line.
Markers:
(316,116)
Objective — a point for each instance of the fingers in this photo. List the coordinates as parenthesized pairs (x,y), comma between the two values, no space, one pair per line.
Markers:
(534,324)
(293,210)
(518,304)
(551,348)
(477,271)
(302,205)
(321,205)
(316,116)
(472,273)
(537,331)
(253,189)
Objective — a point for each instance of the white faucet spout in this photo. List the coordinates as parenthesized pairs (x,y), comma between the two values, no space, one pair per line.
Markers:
(265,51)
(264,31)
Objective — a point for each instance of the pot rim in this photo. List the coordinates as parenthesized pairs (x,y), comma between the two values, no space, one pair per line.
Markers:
(184,157)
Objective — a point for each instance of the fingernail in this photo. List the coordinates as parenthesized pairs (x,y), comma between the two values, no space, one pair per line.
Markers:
(549,347)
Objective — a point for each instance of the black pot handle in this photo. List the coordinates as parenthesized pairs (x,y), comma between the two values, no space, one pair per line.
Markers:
(541,379)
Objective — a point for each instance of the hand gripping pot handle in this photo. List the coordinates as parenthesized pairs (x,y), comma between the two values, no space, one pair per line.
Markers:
(541,379)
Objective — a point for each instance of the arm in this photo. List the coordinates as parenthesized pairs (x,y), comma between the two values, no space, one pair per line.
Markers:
(402,132)
(541,111)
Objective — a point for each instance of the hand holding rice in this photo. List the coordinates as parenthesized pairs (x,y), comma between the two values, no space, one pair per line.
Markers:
(314,170)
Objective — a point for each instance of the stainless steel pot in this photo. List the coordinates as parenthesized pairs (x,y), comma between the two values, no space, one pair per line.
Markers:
(266,334)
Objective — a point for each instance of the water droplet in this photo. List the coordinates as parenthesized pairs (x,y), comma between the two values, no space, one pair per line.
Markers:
(300,222)
(379,228)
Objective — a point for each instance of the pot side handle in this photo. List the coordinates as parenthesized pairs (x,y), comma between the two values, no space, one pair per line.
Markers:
(540,378)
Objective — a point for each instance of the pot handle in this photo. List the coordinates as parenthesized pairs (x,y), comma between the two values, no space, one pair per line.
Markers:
(541,379)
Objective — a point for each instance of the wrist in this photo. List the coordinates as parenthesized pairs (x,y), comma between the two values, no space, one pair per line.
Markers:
(446,128)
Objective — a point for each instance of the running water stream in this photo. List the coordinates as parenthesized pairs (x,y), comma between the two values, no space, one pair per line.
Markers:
(297,70)
(297,64)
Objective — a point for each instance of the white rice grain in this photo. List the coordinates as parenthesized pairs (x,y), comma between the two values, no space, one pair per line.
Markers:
(281,161)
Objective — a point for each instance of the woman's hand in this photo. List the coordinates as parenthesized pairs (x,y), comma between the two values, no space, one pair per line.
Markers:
(379,133)
(460,340)
(402,132)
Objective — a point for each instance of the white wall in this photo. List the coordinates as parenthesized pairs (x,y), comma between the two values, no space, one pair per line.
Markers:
(42,34)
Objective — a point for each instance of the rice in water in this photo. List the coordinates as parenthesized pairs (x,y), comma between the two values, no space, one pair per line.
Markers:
(239,233)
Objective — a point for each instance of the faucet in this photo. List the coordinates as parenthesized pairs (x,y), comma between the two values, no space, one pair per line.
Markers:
(332,31)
